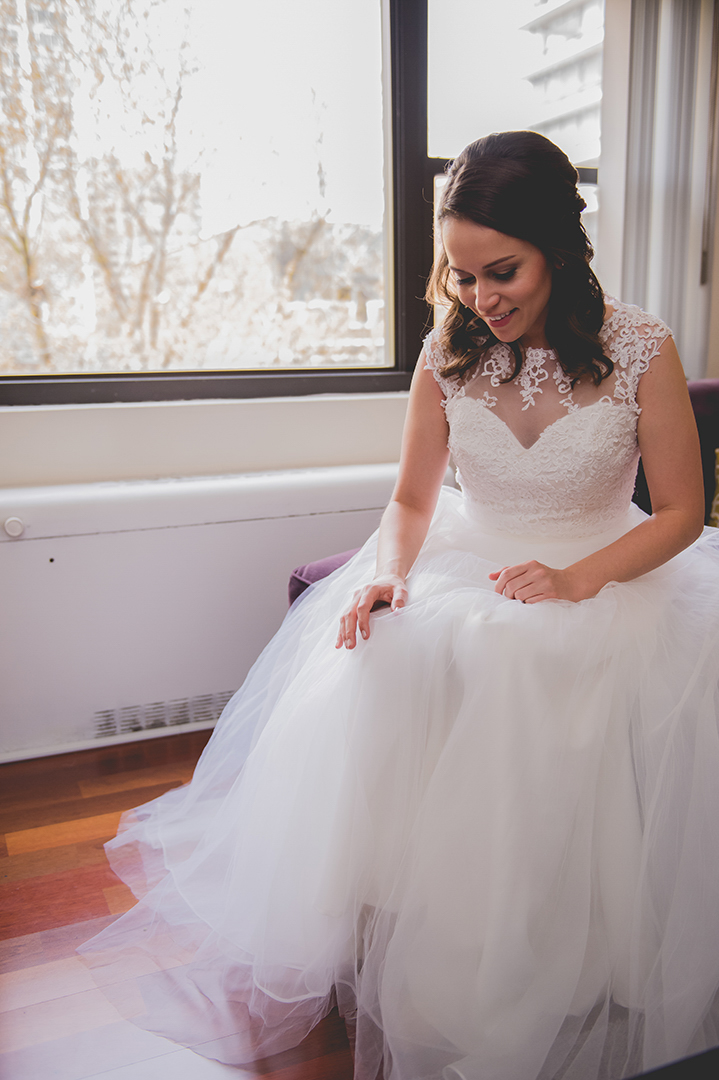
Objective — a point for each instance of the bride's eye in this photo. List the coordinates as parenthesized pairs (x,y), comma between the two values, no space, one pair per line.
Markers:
(505,275)
(464,280)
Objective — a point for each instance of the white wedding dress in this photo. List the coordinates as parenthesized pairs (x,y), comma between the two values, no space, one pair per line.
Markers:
(493,828)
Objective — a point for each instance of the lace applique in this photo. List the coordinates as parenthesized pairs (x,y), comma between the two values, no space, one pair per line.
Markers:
(532,375)
(564,386)
(632,339)
(499,366)
(434,355)
(487,399)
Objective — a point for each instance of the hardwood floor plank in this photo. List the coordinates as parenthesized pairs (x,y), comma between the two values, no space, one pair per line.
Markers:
(44,946)
(63,833)
(180,1065)
(27,907)
(333,1066)
(87,1053)
(43,982)
(14,819)
(22,795)
(108,759)
(177,772)
(62,941)
(328,1037)
(52,860)
(119,899)
(52,1019)
(20,952)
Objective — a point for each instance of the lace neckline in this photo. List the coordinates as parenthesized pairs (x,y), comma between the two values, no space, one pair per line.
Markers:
(500,364)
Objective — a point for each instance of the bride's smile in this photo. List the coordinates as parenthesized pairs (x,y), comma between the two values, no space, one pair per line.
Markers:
(506,281)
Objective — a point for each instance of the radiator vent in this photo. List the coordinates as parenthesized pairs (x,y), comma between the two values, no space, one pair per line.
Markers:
(159,714)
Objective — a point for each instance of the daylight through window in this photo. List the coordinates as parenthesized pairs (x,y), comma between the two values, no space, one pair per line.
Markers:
(521,64)
(191,185)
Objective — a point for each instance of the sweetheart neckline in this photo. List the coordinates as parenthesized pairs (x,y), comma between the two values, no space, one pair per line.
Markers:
(565,416)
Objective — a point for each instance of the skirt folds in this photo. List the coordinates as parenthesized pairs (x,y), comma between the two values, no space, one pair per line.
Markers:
(490,832)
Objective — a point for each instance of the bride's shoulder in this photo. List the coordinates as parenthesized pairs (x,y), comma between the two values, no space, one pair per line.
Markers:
(629,332)
(435,352)
(618,315)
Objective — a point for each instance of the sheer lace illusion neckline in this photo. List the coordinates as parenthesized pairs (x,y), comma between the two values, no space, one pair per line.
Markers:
(530,404)
(527,446)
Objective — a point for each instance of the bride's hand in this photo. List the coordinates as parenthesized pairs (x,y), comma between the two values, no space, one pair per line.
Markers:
(386,590)
(532,581)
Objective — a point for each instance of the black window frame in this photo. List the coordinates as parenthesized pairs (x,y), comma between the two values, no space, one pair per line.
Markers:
(412,183)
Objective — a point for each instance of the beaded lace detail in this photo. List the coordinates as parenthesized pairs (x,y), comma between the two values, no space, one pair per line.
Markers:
(576,477)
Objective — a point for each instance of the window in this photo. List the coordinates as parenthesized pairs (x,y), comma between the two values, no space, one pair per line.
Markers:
(522,64)
(194,189)
(430,109)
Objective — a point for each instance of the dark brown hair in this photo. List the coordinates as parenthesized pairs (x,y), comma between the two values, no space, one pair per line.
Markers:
(522,185)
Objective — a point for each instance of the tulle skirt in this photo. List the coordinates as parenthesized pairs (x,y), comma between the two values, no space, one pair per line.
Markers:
(490,833)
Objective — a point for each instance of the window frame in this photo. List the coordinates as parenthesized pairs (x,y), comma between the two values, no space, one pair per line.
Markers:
(411,258)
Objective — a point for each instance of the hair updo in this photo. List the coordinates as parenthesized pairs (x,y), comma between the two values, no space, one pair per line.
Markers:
(521,184)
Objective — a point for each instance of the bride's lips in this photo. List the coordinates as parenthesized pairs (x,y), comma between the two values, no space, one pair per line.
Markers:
(499,323)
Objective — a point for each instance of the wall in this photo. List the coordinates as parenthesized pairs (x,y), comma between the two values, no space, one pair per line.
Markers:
(59,444)
(102,642)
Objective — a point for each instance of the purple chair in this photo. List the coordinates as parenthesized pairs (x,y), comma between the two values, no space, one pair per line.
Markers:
(303,576)
(705,400)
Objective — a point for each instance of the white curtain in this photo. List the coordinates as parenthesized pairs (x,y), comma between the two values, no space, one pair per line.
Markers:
(671,167)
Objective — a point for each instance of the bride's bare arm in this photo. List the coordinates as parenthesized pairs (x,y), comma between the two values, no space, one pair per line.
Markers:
(669,446)
(423,463)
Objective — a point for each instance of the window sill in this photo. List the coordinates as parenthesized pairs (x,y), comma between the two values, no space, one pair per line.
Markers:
(194,386)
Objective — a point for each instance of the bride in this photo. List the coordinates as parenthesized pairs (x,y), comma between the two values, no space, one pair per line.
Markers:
(486,824)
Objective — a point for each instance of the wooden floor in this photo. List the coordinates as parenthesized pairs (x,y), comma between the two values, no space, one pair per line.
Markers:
(57,890)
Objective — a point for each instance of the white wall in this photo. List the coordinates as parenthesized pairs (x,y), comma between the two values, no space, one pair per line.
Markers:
(67,444)
(58,591)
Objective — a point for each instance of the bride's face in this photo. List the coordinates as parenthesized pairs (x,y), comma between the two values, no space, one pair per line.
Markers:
(507,282)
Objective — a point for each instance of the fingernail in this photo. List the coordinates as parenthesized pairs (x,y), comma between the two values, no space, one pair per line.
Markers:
(364,633)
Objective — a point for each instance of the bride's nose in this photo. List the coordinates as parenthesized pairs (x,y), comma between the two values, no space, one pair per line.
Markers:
(486,298)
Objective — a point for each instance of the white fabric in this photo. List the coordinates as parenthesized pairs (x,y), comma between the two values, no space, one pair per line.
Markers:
(493,829)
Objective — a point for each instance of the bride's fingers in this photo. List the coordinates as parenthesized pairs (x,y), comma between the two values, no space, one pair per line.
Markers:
(529,592)
(373,597)
(508,579)
(399,597)
(341,633)
(496,573)
(346,635)
(351,623)
(364,602)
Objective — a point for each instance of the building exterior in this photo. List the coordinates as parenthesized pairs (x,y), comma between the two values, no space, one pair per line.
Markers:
(568,84)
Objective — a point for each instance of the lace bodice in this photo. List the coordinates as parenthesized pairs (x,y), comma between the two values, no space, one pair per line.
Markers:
(538,457)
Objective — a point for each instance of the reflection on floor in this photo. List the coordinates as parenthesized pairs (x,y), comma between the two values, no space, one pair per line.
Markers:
(57,890)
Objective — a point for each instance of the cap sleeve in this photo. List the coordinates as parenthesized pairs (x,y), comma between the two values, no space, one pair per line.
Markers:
(632,338)
(434,356)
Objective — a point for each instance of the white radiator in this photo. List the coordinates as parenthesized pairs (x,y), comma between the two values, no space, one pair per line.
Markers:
(130,610)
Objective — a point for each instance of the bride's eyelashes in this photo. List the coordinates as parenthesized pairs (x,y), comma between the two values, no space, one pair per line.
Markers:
(503,275)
